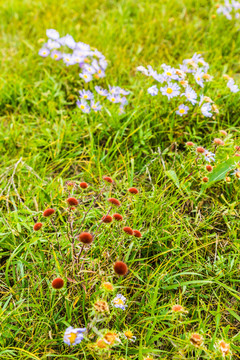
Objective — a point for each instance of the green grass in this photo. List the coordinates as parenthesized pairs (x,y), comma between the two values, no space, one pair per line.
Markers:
(189,252)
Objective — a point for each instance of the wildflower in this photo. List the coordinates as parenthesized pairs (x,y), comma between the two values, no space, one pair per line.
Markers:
(133,190)
(101,91)
(113,98)
(108,179)
(129,335)
(83,185)
(37,226)
(85,238)
(143,70)
(101,306)
(87,77)
(178,309)
(224,347)
(72,201)
(215,109)
(205,109)
(218,141)
(114,201)
(120,268)
(209,168)
(110,337)
(118,217)
(209,156)
(128,230)
(223,132)
(182,110)
(170,90)
(96,106)
(191,95)
(68,59)
(101,344)
(119,302)
(56,55)
(189,143)
(44,52)
(232,86)
(107,286)
(226,77)
(196,339)
(228,179)
(52,44)
(200,150)
(68,41)
(52,34)
(137,233)
(199,77)
(48,212)
(57,283)
(236,173)
(153,90)
(86,94)
(73,336)
(207,77)
(205,179)
(107,219)
(82,104)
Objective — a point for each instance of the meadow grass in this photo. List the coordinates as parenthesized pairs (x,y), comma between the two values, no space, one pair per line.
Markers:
(189,250)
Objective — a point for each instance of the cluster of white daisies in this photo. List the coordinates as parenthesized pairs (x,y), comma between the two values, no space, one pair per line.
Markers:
(183,83)
(230,9)
(114,94)
(91,61)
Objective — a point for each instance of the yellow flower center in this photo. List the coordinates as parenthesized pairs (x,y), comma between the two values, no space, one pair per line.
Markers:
(85,96)
(182,111)
(238,174)
(113,99)
(99,71)
(169,90)
(119,302)
(55,56)
(169,74)
(82,107)
(198,78)
(128,334)
(72,337)
(85,76)
(44,52)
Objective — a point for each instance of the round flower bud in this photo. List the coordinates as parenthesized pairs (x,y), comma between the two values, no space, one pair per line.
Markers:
(228,179)
(137,233)
(108,179)
(133,190)
(83,185)
(209,168)
(118,217)
(223,132)
(107,219)
(189,143)
(85,238)
(205,179)
(48,212)
(218,141)
(72,201)
(115,202)
(37,226)
(120,268)
(128,230)
(200,150)
(57,283)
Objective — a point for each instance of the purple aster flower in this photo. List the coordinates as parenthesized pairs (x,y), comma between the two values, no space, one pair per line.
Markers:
(96,106)
(86,94)
(86,76)
(205,109)
(114,98)
(153,90)
(52,44)
(44,52)
(56,55)
(52,34)
(101,91)
(182,110)
(68,59)
(83,105)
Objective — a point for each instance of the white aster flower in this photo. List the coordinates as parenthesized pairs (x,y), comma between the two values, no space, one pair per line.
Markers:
(143,70)
(199,77)
(73,336)
(191,95)
(86,76)
(182,110)
(52,34)
(52,44)
(119,302)
(209,156)
(205,109)
(170,90)
(101,91)
(232,86)
(153,90)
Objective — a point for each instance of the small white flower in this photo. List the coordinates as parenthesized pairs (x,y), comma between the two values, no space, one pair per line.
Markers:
(101,91)
(86,76)
(52,44)
(83,105)
(143,70)
(205,109)
(86,94)
(191,95)
(232,86)
(119,302)
(182,110)
(170,90)
(199,77)
(153,90)
(73,336)
(52,34)
(209,156)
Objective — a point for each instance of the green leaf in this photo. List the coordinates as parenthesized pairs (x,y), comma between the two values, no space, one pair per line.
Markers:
(219,173)
(173,176)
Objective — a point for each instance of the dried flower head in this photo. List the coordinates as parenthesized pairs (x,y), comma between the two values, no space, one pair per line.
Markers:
(223,132)
(108,179)
(100,343)
(209,168)
(196,339)
(48,212)
(128,230)
(224,347)
(205,179)
(200,150)
(178,309)
(129,335)
(133,190)
(120,268)
(72,201)
(83,185)
(189,143)
(237,147)
(86,238)
(228,179)
(218,141)
(101,306)
(37,226)
(114,201)
(118,217)
(110,337)
(107,219)
(137,233)
(57,283)
(107,286)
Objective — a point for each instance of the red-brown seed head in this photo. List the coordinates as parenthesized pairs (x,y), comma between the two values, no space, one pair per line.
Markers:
(57,283)
(72,201)
(83,185)
(205,179)
(48,212)
(107,219)
(189,143)
(137,233)
(118,217)
(115,202)
(200,150)
(86,238)
(237,147)
(108,179)
(37,226)
(128,230)
(218,141)
(133,190)
(209,168)
(120,268)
